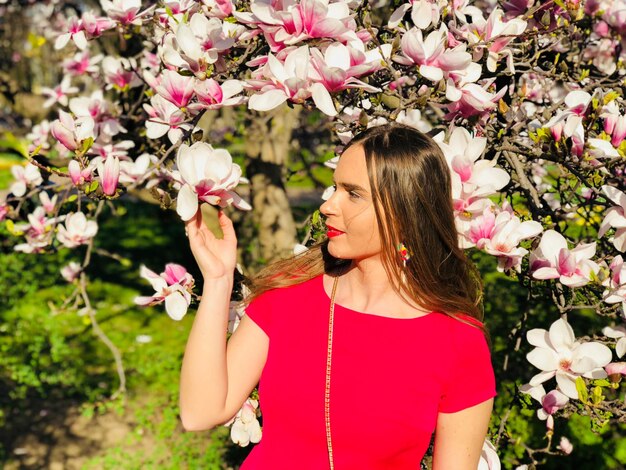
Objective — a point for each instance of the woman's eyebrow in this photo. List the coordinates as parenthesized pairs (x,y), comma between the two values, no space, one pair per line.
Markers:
(350,186)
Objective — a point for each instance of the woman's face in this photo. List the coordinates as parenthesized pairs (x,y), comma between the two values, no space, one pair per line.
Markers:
(350,217)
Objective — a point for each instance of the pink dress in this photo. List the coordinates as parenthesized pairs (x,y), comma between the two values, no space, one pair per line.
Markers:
(390,377)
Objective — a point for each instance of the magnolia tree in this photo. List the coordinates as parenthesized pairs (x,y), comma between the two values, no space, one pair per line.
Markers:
(524,97)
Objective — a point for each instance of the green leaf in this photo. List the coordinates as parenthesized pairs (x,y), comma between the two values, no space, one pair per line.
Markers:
(596,395)
(581,388)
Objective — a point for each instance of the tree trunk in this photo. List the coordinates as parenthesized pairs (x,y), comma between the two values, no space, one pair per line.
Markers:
(267,148)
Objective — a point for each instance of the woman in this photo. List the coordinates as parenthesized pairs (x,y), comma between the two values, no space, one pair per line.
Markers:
(365,344)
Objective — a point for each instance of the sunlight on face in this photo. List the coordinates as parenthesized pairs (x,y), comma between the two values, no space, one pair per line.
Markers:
(353,230)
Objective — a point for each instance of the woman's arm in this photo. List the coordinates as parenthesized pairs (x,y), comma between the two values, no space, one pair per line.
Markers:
(215,379)
(459,437)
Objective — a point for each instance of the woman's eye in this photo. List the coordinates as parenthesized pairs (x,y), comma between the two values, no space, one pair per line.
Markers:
(354,195)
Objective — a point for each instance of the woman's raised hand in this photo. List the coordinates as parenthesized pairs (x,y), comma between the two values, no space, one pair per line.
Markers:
(216,257)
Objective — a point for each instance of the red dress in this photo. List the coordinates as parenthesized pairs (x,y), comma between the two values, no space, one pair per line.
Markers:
(390,377)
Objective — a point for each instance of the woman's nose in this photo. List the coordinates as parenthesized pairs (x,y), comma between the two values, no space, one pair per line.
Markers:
(328,207)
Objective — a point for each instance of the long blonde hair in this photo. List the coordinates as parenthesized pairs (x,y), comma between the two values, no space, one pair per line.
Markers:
(411,190)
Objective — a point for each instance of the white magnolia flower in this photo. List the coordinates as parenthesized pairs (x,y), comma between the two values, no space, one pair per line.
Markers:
(245,426)
(208,175)
(489,459)
(25,176)
(557,353)
(77,230)
(615,217)
(618,333)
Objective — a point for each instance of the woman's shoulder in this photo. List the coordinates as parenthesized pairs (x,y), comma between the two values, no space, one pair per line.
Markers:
(296,290)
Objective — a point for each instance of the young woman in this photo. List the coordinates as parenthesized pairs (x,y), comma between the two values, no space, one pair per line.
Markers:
(364,345)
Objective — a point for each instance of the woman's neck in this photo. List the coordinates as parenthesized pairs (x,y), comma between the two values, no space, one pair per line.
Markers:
(366,285)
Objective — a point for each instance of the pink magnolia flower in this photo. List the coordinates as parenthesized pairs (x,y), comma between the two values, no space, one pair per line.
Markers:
(165,118)
(172,287)
(75,32)
(496,33)
(278,82)
(100,110)
(576,102)
(423,13)
(336,68)
(81,63)
(501,235)
(245,426)
(489,459)
(557,353)
(432,56)
(77,230)
(118,72)
(284,23)
(551,402)
(616,368)
(212,95)
(25,177)
(94,25)
(59,94)
(565,446)
(48,204)
(614,123)
(218,8)
(137,171)
(196,45)
(38,231)
(615,284)
(175,88)
(109,174)
(208,175)
(615,217)
(125,12)
(71,271)
(80,175)
(473,100)
(71,133)
(4,210)
(38,136)
(618,333)
(552,259)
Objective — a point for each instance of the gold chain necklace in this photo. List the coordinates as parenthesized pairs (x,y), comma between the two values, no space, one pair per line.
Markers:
(329,442)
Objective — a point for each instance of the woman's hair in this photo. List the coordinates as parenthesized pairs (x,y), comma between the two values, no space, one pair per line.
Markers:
(412,197)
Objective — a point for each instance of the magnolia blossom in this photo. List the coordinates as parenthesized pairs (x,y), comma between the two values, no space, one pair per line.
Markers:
(245,426)
(82,63)
(496,33)
(278,82)
(25,176)
(208,175)
(615,369)
(77,230)
(557,353)
(432,56)
(614,123)
(125,12)
(38,231)
(571,120)
(615,283)
(70,132)
(48,204)
(423,13)
(554,260)
(80,175)
(212,95)
(174,87)
(615,217)
(75,32)
(101,110)
(618,333)
(196,45)
(109,174)
(118,72)
(489,459)
(500,236)
(165,118)
(413,118)
(59,94)
(137,171)
(297,22)
(71,271)
(551,402)
(565,445)
(173,286)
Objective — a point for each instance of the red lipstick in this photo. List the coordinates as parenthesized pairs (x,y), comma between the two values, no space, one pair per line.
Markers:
(332,231)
